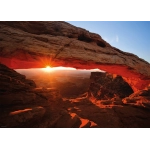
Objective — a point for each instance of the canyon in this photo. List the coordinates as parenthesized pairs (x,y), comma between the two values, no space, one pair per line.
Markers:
(108,101)
(118,97)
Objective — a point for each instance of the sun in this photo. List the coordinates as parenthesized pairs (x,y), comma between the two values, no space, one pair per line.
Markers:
(48,69)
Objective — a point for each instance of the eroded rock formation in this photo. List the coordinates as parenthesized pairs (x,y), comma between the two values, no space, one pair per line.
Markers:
(105,86)
(37,44)
(24,105)
(140,98)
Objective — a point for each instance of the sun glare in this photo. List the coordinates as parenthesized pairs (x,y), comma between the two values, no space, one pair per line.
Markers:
(51,69)
(47,69)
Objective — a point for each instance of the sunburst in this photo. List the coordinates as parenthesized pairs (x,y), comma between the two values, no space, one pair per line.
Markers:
(48,69)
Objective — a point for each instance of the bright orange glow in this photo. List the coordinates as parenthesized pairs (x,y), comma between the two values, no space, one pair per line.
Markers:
(47,69)
(20,111)
(50,69)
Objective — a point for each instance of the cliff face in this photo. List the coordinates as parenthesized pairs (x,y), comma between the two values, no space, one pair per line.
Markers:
(105,86)
(37,44)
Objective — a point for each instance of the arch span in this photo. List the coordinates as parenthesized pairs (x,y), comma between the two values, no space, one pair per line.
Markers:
(37,44)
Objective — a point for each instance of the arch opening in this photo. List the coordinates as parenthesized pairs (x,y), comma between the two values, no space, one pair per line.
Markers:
(73,82)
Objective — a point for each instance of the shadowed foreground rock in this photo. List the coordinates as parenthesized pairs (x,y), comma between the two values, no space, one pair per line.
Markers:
(37,44)
(24,105)
(109,115)
(140,98)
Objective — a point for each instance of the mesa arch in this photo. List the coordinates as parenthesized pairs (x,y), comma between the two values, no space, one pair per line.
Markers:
(37,44)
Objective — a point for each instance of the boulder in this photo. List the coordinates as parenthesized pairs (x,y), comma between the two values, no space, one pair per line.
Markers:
(140,98)
(68,120)
(105,86)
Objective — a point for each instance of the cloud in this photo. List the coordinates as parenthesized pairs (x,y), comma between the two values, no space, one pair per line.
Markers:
(117,38)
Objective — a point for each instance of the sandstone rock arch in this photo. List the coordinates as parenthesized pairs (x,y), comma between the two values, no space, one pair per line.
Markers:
(36,44)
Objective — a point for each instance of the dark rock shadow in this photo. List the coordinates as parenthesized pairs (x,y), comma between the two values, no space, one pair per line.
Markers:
(117,116)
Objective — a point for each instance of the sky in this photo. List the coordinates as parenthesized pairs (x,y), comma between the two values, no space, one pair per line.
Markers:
(128,36)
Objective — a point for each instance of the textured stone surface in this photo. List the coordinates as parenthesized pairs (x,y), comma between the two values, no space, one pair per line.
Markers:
(105,86)
(32,107)
(109,116)
(37,44)
(140,98)
(13,80)
(21,103)
(24,105)
(26,115)
(68,121)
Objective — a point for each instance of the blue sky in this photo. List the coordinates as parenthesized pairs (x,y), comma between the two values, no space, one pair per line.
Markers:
(129,36)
